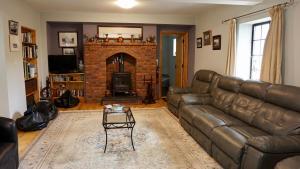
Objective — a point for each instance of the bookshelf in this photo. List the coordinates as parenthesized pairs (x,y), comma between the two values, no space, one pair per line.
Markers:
(30,64)
(68,81)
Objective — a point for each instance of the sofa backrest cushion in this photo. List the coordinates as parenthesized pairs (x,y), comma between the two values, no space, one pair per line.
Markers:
(231,84)
(277,120)
(225,93)
(284,96)
(249,101)
(201,81)
(255,89)
(280,115)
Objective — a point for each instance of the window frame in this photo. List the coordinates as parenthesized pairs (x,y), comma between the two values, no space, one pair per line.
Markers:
(252,42)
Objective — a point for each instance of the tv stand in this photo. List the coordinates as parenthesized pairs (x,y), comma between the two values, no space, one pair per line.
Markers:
(60,82)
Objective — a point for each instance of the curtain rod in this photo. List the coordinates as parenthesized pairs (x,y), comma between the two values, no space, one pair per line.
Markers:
(286,4)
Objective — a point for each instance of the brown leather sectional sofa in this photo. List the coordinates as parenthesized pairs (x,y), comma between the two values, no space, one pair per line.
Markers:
(241,124)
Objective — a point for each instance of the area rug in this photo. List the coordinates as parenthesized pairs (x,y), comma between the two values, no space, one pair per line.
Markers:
(75,140)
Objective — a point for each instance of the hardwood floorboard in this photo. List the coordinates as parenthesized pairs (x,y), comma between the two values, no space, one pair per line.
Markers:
(26,139)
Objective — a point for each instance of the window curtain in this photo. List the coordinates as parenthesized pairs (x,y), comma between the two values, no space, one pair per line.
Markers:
(230,63)
(272,58)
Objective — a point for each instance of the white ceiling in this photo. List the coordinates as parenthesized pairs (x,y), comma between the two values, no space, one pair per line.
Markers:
(180,7)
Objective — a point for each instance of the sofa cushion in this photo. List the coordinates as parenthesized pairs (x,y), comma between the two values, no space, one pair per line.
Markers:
(222,99)
(255,89)
(231,84)
(229,120)
(284,96)
(174,99)
(200,87)
(210,118)
(245,107)
(195,98)
(204,75)
(232,140)
(188,112)
(277,120)
(201,81)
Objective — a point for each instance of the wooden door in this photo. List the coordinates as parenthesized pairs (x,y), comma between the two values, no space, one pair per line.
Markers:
(179,61)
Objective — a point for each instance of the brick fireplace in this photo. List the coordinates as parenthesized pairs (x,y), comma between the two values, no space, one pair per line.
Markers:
(139,61)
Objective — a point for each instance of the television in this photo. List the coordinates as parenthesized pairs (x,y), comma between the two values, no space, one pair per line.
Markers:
(62,63)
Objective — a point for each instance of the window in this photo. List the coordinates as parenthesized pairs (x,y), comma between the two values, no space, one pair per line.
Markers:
(259,35)
(174,47)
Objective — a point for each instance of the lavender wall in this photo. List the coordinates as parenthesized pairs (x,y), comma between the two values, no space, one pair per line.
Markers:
(91,29)
(52,39)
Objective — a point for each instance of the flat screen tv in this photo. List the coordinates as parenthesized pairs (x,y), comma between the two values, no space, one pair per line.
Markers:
(62,63)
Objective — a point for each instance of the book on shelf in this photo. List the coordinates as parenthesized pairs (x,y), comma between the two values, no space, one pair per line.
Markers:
(27,37)
(29,70)
(30,52)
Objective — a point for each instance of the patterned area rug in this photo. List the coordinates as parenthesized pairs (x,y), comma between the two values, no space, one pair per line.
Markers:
(76,141)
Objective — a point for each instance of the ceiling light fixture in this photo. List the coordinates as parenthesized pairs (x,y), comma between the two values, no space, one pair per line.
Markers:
(126,4)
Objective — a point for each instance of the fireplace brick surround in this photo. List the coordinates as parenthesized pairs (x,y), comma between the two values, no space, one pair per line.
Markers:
(95,56)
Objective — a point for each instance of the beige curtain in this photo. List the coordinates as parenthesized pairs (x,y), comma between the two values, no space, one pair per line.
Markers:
(230,63)
(272,57)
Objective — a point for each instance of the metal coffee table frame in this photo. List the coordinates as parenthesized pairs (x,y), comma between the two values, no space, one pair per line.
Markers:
(129,123)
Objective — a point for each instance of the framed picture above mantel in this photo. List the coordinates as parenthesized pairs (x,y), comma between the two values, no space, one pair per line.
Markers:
(114,32)
(67,39)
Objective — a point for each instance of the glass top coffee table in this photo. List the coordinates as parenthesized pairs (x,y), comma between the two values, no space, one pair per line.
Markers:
(117,117)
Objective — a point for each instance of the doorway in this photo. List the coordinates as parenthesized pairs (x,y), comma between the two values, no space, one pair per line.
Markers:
(173,60)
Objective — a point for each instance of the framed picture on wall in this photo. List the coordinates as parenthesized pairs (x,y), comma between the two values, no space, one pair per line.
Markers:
(67,39)
(114,32)
(68,51)
(199,42)
(207,37)
(217,42)
(13,27)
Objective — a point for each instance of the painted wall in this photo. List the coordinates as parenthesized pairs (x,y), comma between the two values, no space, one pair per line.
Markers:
(12,76)
(216,60)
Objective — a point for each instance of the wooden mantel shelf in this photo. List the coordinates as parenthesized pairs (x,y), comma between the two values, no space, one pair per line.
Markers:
(118,44)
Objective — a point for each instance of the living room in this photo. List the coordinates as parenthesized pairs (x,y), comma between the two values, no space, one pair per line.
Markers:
(200,84)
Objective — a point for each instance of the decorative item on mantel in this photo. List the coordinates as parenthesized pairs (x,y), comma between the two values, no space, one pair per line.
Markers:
(106,38)
(120,39)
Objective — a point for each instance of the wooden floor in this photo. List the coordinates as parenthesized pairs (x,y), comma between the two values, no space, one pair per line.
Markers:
(28,138)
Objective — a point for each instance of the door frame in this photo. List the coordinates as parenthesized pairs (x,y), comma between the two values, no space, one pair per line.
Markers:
(185,57)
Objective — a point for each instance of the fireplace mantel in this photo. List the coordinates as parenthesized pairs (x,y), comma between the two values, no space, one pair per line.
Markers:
(120,44)
(95,55)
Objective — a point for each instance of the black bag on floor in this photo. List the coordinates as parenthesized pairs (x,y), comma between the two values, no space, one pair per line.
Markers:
(48,109)
(66,100)
(32,120)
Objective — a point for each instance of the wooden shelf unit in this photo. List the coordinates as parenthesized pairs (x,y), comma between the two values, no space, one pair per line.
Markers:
(29,53)
(74,82)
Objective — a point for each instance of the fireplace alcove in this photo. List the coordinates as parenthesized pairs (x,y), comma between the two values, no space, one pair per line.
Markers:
(121,75)
(140,61)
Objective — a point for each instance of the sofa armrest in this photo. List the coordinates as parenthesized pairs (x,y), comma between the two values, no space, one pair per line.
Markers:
(8,130)
(177,90)
(195,99)
(276,144)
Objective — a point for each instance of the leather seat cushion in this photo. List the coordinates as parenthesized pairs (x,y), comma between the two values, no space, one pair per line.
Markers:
(211,118)
(195,98)
(175,100)
(232,140)
(189,112)
(226,118)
